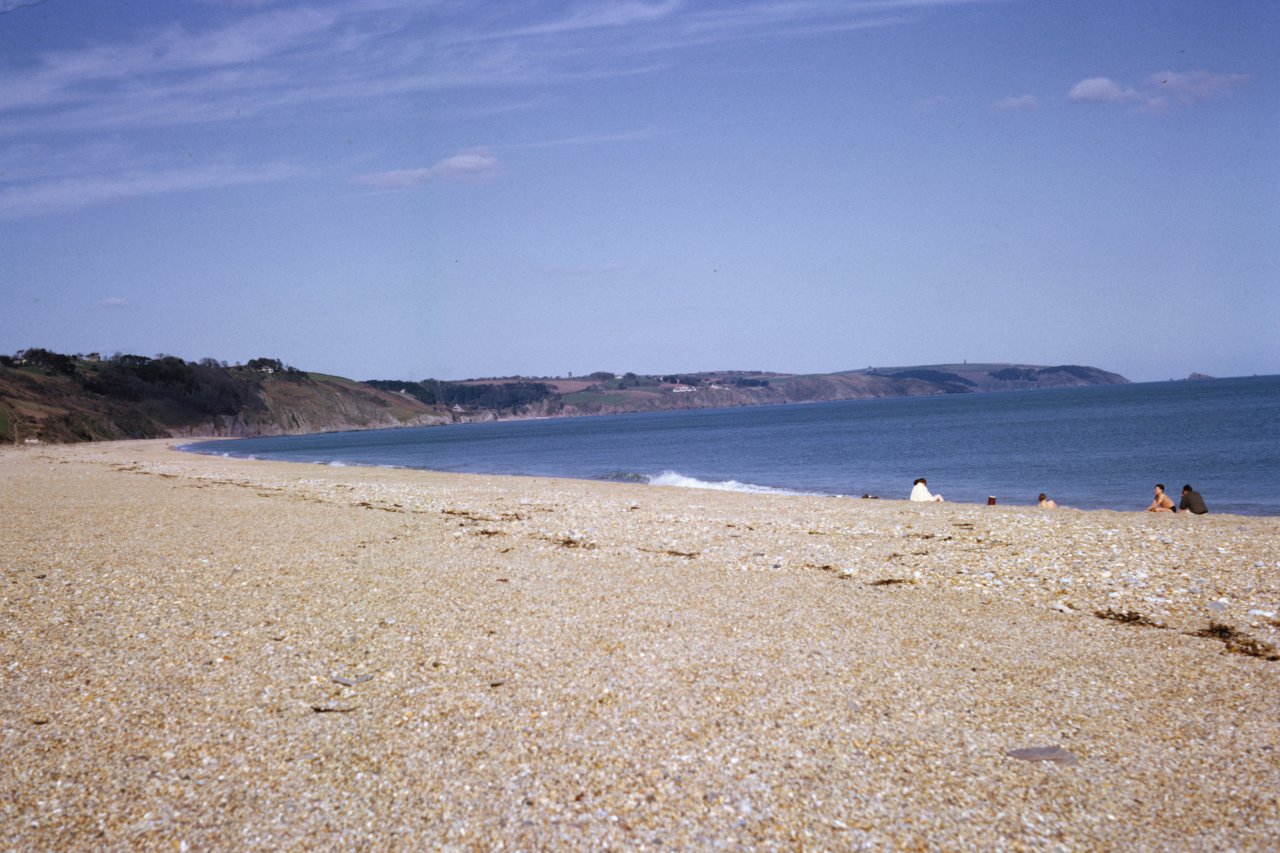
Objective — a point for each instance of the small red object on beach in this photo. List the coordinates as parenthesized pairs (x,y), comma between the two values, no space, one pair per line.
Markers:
(991,500)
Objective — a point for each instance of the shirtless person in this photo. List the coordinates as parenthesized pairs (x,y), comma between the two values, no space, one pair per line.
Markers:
(1162,502)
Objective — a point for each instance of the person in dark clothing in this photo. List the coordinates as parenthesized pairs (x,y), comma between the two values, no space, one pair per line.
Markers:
(1191,501)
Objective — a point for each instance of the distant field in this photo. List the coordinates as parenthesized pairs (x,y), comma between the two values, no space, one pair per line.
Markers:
(588,398)
(947,368)
(568,386)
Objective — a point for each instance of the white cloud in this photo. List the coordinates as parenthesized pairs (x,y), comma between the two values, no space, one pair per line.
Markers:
(1017,102)
(1100,90)
(471,166)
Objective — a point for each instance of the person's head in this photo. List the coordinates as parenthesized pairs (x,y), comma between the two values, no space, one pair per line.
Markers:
(920,481)
(1159,488)
(1186,488)
(1043,497)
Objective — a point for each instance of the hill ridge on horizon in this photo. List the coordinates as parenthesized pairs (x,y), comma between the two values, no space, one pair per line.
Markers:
(48,396)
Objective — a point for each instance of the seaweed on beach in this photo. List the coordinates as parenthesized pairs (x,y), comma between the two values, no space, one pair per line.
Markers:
(473,516)
(1127,617)
(1238,642)
(892,581)
(570,542)
(467,514)
(842,574)
(367,505)
(672,552)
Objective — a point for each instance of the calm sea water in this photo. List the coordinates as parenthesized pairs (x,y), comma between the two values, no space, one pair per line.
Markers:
(1090,448)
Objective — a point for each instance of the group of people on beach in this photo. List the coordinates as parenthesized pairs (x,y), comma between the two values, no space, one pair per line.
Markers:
(920,493)
(1191,500)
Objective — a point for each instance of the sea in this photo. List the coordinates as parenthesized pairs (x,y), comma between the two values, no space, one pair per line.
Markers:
(1100,447)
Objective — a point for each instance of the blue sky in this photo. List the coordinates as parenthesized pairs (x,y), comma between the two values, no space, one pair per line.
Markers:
(450,189)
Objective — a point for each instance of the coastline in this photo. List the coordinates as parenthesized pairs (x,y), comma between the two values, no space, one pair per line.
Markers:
(1011,445)
(219,652)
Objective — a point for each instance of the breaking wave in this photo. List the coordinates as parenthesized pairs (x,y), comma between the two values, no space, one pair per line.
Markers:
(674,478)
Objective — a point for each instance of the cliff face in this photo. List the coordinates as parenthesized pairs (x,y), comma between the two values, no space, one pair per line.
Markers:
(38,406)
(330,403)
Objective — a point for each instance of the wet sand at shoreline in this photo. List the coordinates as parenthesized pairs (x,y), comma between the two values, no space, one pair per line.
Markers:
(199,652)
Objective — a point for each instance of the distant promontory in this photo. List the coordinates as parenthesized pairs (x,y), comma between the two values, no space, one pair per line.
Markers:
(52,397)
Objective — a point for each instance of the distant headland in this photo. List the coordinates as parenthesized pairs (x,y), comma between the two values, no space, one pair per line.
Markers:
(53,397)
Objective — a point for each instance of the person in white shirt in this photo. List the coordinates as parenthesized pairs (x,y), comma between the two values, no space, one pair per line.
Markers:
(920,491)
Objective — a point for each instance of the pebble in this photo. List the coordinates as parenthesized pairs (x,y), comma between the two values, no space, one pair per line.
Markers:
(1055,754)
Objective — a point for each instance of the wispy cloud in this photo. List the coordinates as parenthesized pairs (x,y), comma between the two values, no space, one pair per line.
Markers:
(1191,86)
(1159,91)
(472,166)
(114,303)
(269,60)
(247,65)
(7,6)
(41,198)
(591,139)
(475,166)
(108,71)
(1016,102)
(478,166)
(599,15)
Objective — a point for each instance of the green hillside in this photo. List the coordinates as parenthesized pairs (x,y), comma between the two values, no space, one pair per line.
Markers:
(46,396)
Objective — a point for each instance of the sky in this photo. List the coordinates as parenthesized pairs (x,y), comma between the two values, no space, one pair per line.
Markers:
(410,189)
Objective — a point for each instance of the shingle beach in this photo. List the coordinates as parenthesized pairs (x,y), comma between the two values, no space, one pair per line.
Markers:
(206,653)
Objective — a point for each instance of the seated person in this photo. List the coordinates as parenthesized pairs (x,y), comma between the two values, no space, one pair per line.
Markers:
(1191,501)
(1162,502)
(1047,502)
(920,491)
